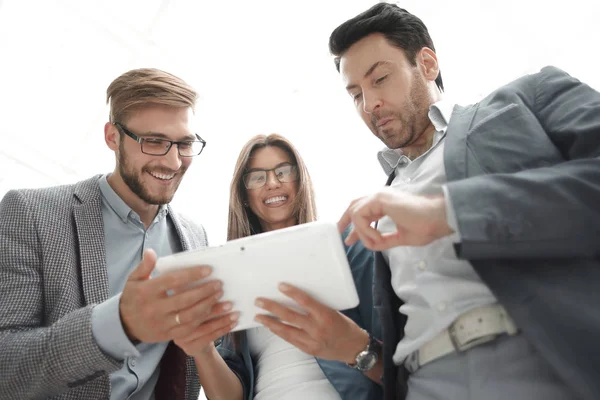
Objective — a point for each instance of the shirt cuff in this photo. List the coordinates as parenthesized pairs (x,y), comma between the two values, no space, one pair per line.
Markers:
(108,331)
(451,215)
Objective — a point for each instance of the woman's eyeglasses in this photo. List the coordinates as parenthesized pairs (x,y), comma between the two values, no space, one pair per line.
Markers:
(258,178)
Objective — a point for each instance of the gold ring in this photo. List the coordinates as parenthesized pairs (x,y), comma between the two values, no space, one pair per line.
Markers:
(177,319)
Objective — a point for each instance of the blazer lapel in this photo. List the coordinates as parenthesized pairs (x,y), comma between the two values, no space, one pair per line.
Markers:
(455,148)
(184,237)
(90,234)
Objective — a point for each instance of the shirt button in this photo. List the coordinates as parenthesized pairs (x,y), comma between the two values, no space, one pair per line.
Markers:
(132,362)
(407,180)
(422,265)
(442,306)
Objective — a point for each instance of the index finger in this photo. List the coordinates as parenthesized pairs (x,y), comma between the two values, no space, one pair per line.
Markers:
(175,279)
(307,302)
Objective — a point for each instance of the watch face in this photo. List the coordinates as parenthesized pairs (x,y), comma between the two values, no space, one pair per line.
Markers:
(366,360)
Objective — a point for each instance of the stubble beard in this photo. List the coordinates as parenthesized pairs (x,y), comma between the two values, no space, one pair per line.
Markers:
(133,181)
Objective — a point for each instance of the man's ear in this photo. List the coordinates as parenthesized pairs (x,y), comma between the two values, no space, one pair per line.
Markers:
(428,63)
(111,136)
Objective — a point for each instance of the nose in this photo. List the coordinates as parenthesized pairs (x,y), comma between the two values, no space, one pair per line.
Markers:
(371,102)
(172,160)
(272,181)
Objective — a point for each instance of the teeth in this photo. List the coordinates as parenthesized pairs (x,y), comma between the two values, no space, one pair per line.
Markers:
(275,199)
(162,176)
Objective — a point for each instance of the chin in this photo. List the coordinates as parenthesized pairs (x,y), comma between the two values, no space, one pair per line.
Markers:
(395,141)
(159,199)
(277,218)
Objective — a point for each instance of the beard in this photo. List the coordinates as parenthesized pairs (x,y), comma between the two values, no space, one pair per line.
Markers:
(413,119)
(133,181)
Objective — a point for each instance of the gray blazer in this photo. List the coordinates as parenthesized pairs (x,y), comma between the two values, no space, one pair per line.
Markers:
(52,272)
(523,170)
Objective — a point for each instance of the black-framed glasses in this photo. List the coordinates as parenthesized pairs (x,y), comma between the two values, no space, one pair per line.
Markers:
(258,178)
(160,147)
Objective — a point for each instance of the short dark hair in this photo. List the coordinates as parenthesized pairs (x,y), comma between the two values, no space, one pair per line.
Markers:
(401,29)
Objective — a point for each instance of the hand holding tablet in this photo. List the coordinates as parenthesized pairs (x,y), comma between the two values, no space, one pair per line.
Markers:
(310,257)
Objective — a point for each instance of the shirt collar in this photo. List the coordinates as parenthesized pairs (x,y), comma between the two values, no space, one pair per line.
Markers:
(116,203)
(439,114)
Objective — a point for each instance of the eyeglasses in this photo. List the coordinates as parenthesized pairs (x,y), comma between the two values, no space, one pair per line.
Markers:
(258,178)
(160,147)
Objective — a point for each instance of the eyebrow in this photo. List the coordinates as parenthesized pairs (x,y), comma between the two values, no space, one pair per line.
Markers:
(281,164)
(369,72)
(186,138)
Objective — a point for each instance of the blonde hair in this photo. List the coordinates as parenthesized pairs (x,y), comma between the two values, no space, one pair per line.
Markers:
(242,221)
(141,87)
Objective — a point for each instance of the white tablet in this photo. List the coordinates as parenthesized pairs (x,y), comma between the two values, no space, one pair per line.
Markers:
(309,256)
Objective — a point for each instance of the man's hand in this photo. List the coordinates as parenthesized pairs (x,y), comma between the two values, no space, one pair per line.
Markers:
(321,332)
(201,340)
(419,220)
(150,315)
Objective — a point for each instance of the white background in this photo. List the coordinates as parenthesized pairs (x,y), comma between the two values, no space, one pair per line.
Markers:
(260,67)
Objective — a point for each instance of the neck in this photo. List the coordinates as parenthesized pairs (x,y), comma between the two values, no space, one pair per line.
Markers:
(146,211)
(422,144)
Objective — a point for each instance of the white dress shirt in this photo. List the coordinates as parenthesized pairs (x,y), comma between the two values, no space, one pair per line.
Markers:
(435,286)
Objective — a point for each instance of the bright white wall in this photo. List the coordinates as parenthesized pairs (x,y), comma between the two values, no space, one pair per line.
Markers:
(260,67)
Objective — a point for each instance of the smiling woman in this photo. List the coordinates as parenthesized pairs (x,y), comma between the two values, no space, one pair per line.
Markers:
(271,189)
(271,185)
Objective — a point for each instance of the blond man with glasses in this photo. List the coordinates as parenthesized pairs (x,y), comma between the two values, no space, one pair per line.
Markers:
(80,316)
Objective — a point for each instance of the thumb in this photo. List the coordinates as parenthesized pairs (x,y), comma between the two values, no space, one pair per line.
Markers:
(145,267)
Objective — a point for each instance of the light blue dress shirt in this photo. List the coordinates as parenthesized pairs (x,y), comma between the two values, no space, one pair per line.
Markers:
(126,238)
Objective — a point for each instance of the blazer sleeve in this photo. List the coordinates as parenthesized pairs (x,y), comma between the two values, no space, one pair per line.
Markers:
(549,212)
(37,360)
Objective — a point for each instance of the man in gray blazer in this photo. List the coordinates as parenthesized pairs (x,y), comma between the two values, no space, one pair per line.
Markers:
(80,316)
(488,237)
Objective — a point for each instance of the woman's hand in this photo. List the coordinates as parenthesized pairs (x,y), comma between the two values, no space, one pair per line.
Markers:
(321,332)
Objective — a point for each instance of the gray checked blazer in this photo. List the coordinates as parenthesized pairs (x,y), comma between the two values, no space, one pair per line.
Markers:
(52,273)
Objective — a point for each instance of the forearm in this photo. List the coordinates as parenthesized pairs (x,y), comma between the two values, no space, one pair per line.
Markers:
(108,330)
(545,212)
(217,379)
(47,361)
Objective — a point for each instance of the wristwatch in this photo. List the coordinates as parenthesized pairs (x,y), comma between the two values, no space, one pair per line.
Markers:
(366,359)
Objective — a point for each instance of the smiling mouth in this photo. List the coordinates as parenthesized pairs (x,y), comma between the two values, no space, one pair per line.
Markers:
(162,177)
(275,200)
